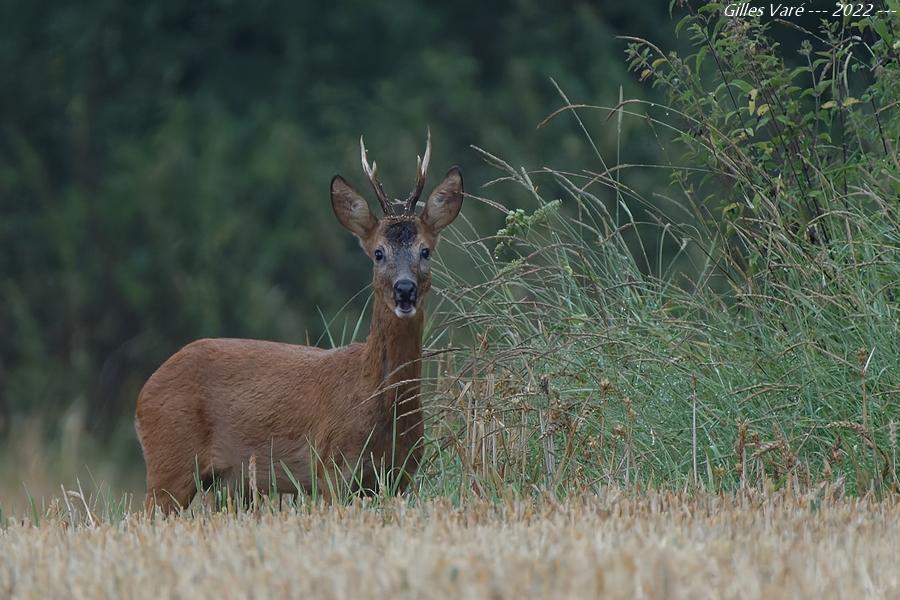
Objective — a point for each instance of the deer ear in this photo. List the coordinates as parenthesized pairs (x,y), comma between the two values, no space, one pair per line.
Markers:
(445,201)
(351,209)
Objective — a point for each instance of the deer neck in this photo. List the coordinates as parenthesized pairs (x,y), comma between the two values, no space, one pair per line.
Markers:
(394,352)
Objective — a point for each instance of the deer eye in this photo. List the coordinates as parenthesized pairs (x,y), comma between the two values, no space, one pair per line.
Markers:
(379,254)
(426,253)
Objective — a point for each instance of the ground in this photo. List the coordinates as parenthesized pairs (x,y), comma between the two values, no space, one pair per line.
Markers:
(611,545)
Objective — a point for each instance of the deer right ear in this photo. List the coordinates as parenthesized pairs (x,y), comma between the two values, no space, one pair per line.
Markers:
(351,209)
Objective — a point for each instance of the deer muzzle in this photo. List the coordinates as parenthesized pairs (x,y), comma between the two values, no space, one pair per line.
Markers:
(405,294)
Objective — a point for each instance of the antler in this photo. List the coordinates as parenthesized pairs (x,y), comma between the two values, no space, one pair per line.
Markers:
(421,172)
(373,179)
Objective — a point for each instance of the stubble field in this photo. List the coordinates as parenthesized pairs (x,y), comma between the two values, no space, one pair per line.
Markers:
(613,545)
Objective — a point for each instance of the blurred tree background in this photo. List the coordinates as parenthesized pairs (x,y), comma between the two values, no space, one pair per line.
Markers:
(164,165)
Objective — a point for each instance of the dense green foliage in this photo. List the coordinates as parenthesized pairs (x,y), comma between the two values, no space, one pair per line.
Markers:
(774,357)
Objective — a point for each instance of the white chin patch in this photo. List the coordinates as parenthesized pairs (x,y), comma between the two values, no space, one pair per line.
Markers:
(405,314)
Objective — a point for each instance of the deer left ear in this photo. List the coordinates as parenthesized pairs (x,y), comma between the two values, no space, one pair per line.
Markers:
(445,201)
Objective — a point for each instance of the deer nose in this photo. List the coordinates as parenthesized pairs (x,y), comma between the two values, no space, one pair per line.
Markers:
(405,291)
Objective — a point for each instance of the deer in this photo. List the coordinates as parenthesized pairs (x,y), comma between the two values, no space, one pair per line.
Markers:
(309,416)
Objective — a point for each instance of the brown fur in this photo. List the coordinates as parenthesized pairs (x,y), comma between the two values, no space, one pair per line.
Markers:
(322,414)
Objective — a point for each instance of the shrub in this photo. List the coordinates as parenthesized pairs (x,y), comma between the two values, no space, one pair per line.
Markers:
(741,331)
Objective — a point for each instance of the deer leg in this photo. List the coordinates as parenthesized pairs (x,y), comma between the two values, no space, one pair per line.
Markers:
(169,492)
(172,485)
(326,484)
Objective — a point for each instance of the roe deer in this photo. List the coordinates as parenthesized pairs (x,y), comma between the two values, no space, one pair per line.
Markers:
(314,413)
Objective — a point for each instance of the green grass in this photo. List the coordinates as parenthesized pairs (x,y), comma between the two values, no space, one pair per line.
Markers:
(742,331)
(588,370)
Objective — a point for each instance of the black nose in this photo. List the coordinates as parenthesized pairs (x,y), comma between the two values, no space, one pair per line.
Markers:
(405,291)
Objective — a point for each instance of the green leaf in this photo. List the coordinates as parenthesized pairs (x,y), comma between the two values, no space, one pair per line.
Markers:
(881,29)
(784,120)
(742,85)
(798,71)
(698,61)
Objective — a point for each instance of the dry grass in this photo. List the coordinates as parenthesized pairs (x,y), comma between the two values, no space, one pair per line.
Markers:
(618,545)
(34,465)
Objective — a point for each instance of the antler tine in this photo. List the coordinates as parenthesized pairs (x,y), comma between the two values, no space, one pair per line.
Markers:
(421,172)
(373,179)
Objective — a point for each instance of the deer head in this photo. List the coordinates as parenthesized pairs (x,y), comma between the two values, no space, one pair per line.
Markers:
(401,243)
